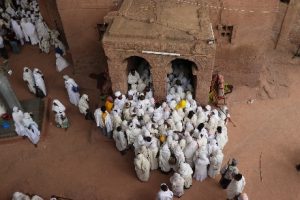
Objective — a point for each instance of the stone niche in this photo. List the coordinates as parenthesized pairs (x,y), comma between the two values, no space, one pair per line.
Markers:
(160,32)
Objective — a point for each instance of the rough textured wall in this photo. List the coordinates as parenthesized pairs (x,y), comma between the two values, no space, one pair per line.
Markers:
(294,35)
(80,19)
(51,16)
(254,24)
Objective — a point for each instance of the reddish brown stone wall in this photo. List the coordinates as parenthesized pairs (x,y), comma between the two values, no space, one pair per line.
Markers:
(52,18)
(254,34)
(80,19)
(256,25)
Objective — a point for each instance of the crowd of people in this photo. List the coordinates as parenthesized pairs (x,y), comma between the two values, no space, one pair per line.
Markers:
(176,136)
(21,22)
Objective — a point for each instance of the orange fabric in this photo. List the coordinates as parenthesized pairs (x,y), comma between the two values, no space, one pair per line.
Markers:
(109,106)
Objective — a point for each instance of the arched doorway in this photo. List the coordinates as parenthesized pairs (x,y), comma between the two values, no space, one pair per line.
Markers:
(139,74)
(182,75)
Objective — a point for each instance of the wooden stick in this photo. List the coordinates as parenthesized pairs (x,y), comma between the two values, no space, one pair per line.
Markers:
(260,169)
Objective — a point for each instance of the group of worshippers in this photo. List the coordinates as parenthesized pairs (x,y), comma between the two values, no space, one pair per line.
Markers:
(22,196)
(21,22)
(82,102)
(35,81)
(25,126)
(174,136)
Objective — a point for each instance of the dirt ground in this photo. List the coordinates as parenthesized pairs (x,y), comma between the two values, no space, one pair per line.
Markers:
(81,164)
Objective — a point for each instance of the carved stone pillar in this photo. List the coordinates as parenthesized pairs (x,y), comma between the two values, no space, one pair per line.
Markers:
(204,75)
(159,71)
(118,75)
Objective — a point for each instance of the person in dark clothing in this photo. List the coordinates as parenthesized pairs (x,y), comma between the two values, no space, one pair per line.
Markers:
(13,42)
(3,50)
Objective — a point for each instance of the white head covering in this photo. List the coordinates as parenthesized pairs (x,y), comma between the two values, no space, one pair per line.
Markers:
(208,107)
(57,55)
(66,77)
(59,104)
(118,93)
(27,115)
(85,96)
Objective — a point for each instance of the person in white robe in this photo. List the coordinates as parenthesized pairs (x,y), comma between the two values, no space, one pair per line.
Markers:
(24,4)
(60,45)
(132,133)
(18,31)
(212,146)
(60,116)
(182,143)
(42,29)
(2,108)
(61,63)
(83,104)
(116,119)
(243,196)
(201,163)
(215,160)
(8,3)
(20,196)
(133,77)
(158,114)
(18,116)
(164,193)
(186,172)
(192,102)
(201,116)
(164,157)
(224,116)
(236,187)
(148,93)
(227,173)
(141,86)
(177,183)
(120,139)
(28,78)
(36,197)
(179,155)
(189,150)
(72,89)
(142,167)
(191,118)
(39,83)
(103,121)
(44,45)
(23,26)
(119,101)
(153,155)
(213,123)
(221,137)
(127,111)
(138,143)
(31,32)
(31,127)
